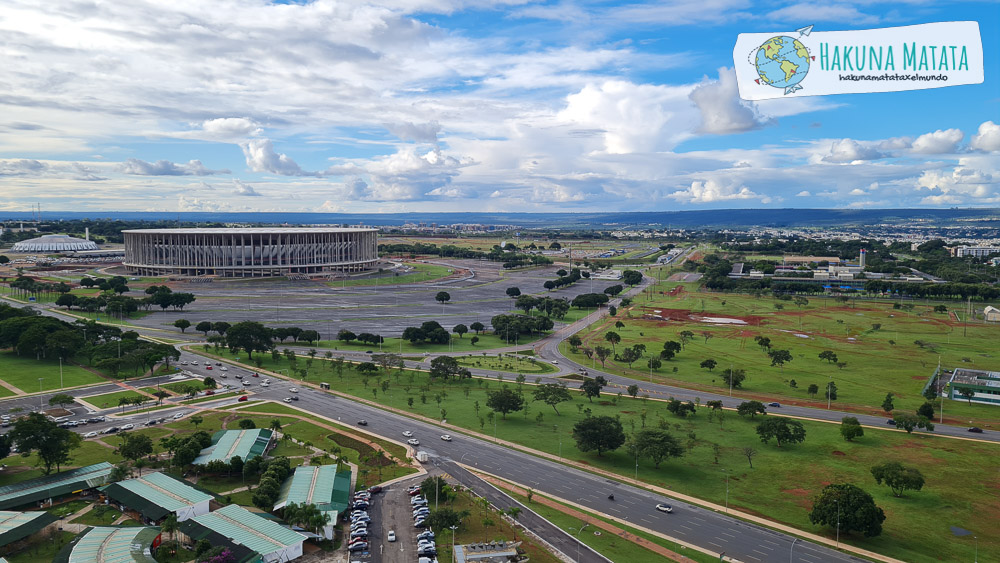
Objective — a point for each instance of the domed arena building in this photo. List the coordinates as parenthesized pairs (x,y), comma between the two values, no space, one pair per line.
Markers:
(53,244)
(249,252)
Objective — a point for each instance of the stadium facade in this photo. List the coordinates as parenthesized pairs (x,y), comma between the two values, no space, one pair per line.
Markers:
(249,252)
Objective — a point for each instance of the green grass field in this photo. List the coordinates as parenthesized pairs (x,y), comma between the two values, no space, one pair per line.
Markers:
(23,372)
(101,515)
(509,363)
(782,481)
(400,346)
(877,361)
(420,272)
(109,400)
(43,551)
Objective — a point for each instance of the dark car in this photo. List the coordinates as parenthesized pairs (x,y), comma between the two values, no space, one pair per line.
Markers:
(295,397)
(375,489)
(362,422)
(359,546)
(774,405)
(976,429)
(891,422)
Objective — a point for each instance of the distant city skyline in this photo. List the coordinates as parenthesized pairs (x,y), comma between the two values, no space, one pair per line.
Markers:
(451,105)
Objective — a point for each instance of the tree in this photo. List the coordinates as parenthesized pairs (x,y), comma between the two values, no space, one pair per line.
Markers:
(849,508)
(749,453)
(734,377)
(828,355)
(182,324)
(812,389)
(897,477)
(444,367)
(306,515)
(783,431)
(657,445)
(61,399)
(549,285)
(477,327)
(209,382)
(751,408)
(249,336)
(444,517)
(442,297)
(36,433)
(967,393)
(574,342)
(196,420)
(850,428)
(780,358)
(504,401)
(632,277)
(887,405)
(654,363)
(831,391)
(552,394)
(169,525)
(908,422)
(247,424)
(613,338)
(632,390)
(474,340)
(347,336)
(513,292)
(134,446)
(592,386)
(926,410)
(203,326)
(221,327)
(602,353)
(709,364)
(601,433)
(460,330)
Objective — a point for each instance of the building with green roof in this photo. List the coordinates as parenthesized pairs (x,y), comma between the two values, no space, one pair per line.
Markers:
(54,486)
(16,526)
(227,444)
(111,544)
(236,526)
(156,495)
(324,485)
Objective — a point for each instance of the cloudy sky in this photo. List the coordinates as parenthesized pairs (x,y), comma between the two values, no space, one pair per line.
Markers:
(466,105)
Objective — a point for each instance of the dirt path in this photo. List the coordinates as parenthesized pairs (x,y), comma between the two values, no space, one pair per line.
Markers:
(595,522)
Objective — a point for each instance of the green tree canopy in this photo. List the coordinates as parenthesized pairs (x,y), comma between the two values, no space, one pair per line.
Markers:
(552,394)
(250,336)
(601,433)
(898,477)
(657,445)
(848,507)
(783,430)
(36,433)
(504,401)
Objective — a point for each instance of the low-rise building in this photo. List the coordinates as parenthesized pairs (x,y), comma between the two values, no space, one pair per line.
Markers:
(227,444)
(248,535)
(112,544)
(323,486)
(17,526)
(492,552)
(154,496)
(991,314)
(47,489)
(976,251)
(975,386)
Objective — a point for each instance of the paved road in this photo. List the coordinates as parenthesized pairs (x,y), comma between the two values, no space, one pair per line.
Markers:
(556,536)
(712,531)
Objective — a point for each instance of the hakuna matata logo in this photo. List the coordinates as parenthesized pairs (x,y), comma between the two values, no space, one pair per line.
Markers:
(782,61)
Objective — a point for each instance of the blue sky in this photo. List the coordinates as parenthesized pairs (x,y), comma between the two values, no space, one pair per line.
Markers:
(467,105)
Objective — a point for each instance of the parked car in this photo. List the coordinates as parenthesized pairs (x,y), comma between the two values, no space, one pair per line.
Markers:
(428,535)
(664,507)
(246,383)
(391,536)
(218,363)
(358,546)
(422,523)
(976,429)
(375,489)
(90,434)
(209,392)
(110,430)
(295,397)
(224,368)
(208,368)
(178,415)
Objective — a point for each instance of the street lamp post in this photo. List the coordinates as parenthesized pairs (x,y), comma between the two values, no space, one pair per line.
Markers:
(828,393)
(838,523)
(60,374)
(578,541)
(40,393)
(453,528)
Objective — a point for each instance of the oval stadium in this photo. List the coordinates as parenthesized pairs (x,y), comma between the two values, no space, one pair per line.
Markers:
(249,252)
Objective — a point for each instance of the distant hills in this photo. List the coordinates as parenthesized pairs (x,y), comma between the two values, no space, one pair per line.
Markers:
(713,219)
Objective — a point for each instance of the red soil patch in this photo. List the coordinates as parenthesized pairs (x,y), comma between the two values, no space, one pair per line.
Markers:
(685,315)
(838,452)
(676,291)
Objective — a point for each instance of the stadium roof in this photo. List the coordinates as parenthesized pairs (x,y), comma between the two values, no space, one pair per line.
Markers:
(239,526)
(15,526)
(156,495)
(108,544)
(53,243)
(251,230)
(227,444)
(321,485)
(59,484)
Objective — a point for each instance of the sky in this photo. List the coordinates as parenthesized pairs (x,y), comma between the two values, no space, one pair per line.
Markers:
(467,105)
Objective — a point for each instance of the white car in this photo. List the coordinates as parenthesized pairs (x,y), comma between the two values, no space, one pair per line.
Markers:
(224,368)
(391,536)
(407,433)
(128,426)
(293,390)
(194,363)
(245,382)
(446,437)
(413,442)
(178,415)
(265,384)
(90,434)
(287,399)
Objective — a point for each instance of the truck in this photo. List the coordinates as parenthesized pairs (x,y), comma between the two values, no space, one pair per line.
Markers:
(422,457)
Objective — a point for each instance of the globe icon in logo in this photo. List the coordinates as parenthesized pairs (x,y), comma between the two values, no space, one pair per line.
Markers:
(782,62)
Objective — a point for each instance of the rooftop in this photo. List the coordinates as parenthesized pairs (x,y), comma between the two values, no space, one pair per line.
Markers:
(107,544)
(323,485)
(245,528)
(53,243)
(156,494)
(253,230)
(227,444)
(975,377)
(18,525)
(53,485)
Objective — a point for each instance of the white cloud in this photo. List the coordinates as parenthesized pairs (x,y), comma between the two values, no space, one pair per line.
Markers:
(988,137)
(166,168)
(849,150)
(938,142)
(814,12)
(712,191)
(261,157)
(230,127)
(722,110)
(420,132)
(244,189)
(803,193)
